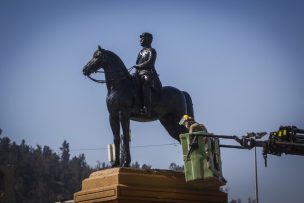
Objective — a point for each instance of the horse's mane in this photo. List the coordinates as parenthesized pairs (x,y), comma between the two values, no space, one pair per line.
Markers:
(116,61)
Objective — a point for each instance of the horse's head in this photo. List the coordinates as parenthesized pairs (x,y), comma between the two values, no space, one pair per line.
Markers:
(97,62)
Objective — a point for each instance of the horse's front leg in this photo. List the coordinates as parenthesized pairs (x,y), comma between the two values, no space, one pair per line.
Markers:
(125,125)
(114,122)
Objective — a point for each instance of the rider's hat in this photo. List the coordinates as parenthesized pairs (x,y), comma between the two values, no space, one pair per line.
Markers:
(184,119)
(146,34)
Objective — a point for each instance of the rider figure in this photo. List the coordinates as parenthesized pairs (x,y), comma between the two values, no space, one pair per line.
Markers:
(145,70)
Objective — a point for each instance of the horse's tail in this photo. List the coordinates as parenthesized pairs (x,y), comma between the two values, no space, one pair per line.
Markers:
(189,104)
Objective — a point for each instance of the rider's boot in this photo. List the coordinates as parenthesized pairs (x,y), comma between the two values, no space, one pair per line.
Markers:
(146,110)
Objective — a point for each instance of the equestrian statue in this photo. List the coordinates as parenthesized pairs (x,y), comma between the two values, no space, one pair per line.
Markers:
(138,97)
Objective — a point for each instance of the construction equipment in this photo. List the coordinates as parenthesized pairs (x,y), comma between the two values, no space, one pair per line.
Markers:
(288,140)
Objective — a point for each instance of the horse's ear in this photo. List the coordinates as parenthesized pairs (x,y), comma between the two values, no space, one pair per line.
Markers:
(99,48)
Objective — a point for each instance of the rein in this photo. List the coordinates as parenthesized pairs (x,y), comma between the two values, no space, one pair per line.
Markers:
(104,81)
(97,81)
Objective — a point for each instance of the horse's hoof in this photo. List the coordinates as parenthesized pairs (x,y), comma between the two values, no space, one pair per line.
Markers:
(116,164)
(126,165)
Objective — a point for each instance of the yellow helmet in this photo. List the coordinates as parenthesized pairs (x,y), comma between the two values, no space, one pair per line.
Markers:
(184,119)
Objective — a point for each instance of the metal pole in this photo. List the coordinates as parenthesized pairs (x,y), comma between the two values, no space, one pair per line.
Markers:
(256,177)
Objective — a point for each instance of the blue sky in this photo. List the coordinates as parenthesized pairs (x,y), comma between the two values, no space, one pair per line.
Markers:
(241,61)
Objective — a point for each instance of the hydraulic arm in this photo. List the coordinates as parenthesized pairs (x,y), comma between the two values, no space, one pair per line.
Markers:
(288,140)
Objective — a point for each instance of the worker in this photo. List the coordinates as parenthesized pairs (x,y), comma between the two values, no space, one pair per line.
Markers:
(192,125)
(211,144)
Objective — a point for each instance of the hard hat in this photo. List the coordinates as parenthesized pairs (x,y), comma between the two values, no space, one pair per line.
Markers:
(184,119)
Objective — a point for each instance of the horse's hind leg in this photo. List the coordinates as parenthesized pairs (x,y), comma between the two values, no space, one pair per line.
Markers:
(125,125)
(114,122)
(189,104)
(171,124)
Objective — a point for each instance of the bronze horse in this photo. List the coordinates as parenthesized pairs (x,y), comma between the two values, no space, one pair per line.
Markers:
(124,102)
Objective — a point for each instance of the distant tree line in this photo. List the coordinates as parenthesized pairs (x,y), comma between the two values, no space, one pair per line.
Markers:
(239,200)
(41,175)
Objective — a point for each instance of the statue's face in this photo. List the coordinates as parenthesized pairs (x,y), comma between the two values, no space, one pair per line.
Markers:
(144,41)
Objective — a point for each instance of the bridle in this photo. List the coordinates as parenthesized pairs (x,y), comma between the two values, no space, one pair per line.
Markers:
(104,81)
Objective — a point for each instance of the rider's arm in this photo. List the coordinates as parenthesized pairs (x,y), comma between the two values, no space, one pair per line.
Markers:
(137,60)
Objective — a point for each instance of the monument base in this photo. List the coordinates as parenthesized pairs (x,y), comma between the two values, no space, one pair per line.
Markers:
(129,185)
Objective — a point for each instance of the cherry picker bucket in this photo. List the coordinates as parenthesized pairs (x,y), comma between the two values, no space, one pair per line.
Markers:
(202,158)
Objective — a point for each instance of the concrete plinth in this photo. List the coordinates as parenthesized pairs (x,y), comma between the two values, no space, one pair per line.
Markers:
(128,185)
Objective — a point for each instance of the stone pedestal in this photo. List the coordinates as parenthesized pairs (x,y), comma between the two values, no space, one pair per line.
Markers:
(128,185)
